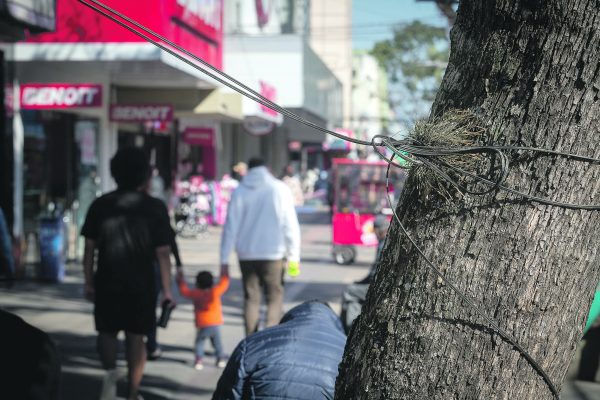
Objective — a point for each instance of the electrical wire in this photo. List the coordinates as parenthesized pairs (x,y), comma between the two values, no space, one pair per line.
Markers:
(206,67)
(413,153)
(490,321)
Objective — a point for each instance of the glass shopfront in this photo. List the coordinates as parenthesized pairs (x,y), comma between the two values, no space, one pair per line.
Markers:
(60,158)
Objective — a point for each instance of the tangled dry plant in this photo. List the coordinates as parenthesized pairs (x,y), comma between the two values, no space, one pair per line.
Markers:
(453,129)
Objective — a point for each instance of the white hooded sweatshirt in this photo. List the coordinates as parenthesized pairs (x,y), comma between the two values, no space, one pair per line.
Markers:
(261,220)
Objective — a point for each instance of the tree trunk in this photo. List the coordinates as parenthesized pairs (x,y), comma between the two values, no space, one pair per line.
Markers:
(529,69)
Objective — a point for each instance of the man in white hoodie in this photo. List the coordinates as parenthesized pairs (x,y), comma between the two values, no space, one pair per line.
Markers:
(263,227)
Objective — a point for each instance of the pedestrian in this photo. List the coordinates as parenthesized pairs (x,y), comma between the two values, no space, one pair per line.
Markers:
(297,359)
(239,170)
(153,349)
(156,187)
(293,183)
(263,227)
(208,312)
(156,190)
(130,231)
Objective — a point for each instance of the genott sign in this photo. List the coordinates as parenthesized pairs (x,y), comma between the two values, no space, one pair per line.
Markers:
(141,112)
(49,96)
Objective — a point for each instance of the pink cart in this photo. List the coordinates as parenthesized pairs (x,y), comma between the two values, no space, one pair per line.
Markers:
(359,194)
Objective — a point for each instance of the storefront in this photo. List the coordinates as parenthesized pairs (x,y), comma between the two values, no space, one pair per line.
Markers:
(151,127)
(16,16)
(285,68)
(84,91)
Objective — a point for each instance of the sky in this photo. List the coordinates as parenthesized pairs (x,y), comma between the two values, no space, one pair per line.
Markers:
(373,20)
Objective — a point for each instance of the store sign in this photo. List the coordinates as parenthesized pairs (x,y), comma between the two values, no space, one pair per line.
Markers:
(195,25)
(199,136)
(38,96)
(270,93)
(141,112)
(258,126)
(204,16)
(263,12)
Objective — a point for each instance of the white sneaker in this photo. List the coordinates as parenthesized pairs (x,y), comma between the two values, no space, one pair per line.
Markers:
(109,385)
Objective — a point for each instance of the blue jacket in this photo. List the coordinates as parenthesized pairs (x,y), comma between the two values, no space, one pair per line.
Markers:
(297,359)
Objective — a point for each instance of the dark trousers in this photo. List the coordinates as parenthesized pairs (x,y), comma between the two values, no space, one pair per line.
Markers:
(268,276)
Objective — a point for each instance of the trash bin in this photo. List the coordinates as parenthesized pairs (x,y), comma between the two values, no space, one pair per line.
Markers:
(52,255)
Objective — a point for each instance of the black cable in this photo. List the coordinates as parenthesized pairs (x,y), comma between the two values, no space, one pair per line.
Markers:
(216,74)
(410,151)
(491,322)
(428,156)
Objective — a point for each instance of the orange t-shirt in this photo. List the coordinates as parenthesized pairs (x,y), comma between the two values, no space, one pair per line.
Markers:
(207,302)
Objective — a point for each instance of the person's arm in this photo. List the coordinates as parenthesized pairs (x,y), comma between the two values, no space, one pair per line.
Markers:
(184,289)
(162,239)
(89,231)
(223,284)
(88,268)
(175,250)
(231,228)
(231,383)
(291,228)
(163,254)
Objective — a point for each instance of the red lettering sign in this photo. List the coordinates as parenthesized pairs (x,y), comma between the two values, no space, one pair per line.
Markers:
(268,91)
(196,25)
(199,136)
(60,95)
(141,112)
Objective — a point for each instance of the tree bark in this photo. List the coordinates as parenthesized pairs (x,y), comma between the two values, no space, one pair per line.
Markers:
(529,69)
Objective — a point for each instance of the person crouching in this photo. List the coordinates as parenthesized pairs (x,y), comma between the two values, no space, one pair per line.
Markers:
(208,312)
(295,360)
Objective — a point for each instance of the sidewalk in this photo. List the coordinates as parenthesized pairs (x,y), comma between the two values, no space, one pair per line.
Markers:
(60,310)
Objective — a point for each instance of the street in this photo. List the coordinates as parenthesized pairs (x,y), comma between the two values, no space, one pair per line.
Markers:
(61,311)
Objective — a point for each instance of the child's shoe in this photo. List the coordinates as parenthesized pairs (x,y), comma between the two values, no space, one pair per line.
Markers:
(198,364)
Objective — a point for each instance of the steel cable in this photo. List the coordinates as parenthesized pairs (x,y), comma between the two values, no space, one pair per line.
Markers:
(412,152)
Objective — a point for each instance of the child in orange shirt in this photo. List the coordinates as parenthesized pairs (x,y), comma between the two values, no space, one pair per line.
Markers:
(208,312)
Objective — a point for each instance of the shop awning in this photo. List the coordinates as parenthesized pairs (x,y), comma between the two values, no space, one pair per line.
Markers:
(221,105)
(214,104)
(129,64)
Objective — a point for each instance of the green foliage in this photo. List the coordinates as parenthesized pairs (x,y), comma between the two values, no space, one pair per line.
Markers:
(415,58)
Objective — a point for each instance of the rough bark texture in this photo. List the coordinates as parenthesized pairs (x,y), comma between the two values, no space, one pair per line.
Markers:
(530,70)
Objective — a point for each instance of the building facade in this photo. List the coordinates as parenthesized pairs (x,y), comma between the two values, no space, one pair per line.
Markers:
(371,112)
(91,86)
(330,35)
(16,18)
(267,47)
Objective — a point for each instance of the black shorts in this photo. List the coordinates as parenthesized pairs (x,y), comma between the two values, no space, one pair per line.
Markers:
(134,313)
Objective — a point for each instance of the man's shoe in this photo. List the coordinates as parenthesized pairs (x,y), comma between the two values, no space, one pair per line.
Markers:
(221,363)
(109,385)
(198,364)
(155,354)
